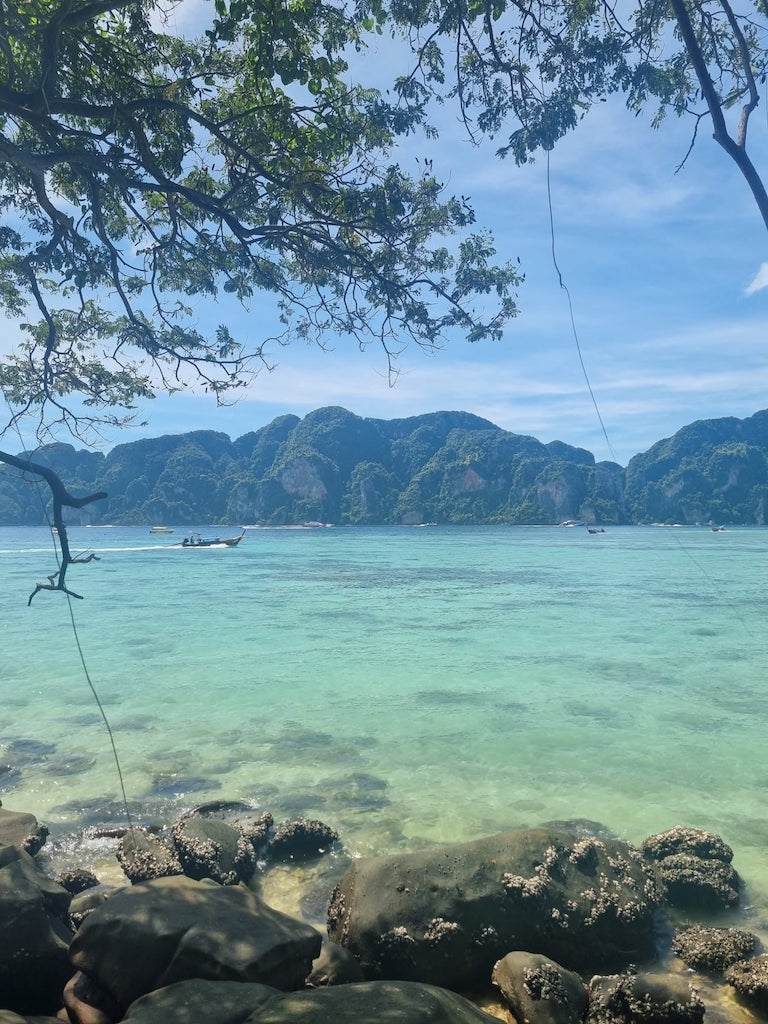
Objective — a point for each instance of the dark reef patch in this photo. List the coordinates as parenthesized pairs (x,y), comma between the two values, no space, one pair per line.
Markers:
(450,698)
(177,784)
(68,764)
(10,776)
(25,751)
(600,713)
(362,790)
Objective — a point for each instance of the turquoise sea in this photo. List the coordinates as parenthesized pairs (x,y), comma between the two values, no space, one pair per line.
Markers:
(405,685)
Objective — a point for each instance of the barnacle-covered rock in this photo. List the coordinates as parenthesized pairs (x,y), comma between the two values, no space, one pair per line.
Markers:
(693,841)
(694,867)
(210,848)
(301,840)
(713,949)
(539,991)
(749,979)
(19,828)
(76,880)
(632,998)
(143,857)
(445,916)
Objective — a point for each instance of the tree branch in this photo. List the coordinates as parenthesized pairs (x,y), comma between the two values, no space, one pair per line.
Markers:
(720,133)
(61,497)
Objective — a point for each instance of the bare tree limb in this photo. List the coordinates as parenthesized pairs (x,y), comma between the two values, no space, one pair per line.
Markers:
(61,498)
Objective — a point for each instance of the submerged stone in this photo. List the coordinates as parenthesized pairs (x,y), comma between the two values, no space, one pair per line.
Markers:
(749,979)
(713,949)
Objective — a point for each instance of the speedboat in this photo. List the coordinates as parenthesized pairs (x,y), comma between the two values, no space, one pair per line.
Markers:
(194,540)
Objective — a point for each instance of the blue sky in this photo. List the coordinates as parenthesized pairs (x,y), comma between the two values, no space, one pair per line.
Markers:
(667,273)
(663,270)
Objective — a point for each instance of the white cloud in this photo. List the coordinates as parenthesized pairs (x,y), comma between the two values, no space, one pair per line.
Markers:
(759,281)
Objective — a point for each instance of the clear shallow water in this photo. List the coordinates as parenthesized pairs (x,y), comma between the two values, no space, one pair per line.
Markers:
(407,686)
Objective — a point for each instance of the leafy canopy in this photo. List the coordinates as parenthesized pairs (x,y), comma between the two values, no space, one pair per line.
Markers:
(143,174)
(528,70)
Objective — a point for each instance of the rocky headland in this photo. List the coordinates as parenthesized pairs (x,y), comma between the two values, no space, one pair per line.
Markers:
(444,467)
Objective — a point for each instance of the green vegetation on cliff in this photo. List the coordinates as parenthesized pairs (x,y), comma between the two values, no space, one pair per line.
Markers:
(446,467)
(710,469)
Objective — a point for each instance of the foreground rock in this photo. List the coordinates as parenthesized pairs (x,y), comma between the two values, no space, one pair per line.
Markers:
(9,1017)
(539,991)
(17,828)
(222,841)
(223,1003)
(34,935)
(446,916)
(209,848)
(144,857)
(200,1002)
(175,929)
(301,840)
(642,999)
(749,979)
(695,868)
(334,966)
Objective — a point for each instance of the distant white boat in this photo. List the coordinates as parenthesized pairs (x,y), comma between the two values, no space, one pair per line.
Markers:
(160,529)
(573,522)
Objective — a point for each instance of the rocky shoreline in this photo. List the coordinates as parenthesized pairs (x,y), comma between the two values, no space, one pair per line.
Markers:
(548,925)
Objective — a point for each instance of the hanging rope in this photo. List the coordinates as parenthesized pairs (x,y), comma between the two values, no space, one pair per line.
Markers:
(572,318)
(59,537)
